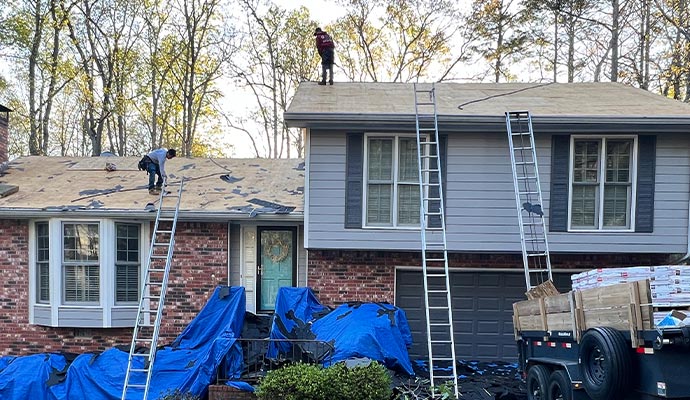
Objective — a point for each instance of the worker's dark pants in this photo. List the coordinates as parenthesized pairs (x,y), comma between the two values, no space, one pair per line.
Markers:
(327,65)
(154,170)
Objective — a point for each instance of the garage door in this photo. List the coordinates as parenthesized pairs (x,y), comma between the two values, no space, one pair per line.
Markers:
(482,311)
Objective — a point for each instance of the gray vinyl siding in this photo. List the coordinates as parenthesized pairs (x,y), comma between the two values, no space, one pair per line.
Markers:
(80,317)
(480,200)
(42,315)
(123,317)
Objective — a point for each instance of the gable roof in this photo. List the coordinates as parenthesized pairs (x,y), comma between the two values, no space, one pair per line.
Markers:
(349,103)
(213,189)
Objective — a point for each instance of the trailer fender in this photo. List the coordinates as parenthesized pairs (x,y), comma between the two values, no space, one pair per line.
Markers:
(605,363)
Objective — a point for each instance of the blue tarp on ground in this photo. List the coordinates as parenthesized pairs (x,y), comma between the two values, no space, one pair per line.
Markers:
(189,365)
(372,330)
(294,310)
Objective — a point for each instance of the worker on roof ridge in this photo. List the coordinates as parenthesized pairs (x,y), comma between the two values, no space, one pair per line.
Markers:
(157,168)
(326,49)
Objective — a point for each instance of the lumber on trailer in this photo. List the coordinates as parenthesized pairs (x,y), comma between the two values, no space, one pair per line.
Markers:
(625,306)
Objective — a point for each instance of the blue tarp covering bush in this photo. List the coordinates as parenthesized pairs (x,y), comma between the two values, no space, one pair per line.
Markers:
(189,365)
(372,330)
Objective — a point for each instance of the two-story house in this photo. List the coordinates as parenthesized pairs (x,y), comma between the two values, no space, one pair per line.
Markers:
(615,172)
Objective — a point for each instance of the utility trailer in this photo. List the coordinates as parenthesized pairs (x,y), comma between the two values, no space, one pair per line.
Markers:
(600,344)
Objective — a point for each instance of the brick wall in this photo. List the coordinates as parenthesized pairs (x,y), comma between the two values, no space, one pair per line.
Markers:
(339,276)
(200,252)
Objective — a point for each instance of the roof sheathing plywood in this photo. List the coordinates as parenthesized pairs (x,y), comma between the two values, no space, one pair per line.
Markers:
(232,186)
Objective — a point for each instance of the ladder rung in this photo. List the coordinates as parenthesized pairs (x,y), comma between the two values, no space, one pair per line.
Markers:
(522,148)
(430,184)
(161,243)
(134,385)
(528,192)
(439,324)
(159,257)
(442,359)
(536,254)
(524,163)
(425,104)
(538,270)
(441,341)
(139,370)
(163,231)
(437,291)
(435,260)
(522,178)
(143,340)
(141,354)
(519,133)
(438,308)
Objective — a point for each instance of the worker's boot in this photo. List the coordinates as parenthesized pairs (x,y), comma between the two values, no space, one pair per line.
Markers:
(155,192)
(331,82)
(322,83)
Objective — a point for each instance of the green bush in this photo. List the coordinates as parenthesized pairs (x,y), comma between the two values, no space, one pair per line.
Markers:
(310,382)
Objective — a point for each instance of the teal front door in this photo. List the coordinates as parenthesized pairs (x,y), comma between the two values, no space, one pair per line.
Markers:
(277,263)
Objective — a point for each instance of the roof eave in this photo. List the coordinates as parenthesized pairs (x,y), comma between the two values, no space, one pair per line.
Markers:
(196,216)
(472,122)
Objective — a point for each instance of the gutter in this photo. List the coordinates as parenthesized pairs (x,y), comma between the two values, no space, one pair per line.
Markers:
(196,216)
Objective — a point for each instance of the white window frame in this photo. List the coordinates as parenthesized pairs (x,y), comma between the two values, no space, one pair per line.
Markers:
(602,164)
(107,276)
(395,169)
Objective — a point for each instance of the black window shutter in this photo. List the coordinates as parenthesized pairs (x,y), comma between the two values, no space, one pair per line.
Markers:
(560,164)
(435,205)
(646,171)
(354,169)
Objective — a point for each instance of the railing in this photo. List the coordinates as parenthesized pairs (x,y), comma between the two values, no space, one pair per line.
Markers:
(262,355)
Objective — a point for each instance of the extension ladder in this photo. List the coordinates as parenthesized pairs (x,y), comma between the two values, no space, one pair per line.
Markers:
(437,296)
(528,199)
(140,363)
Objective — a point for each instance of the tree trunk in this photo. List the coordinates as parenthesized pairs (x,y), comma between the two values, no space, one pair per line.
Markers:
(615,26)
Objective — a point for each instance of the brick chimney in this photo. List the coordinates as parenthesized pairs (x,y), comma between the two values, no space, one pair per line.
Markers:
(4,132)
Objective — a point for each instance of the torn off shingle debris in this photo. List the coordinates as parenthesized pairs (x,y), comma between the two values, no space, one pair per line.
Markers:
(277,208)
(299,167)
(230,178)
(89,192)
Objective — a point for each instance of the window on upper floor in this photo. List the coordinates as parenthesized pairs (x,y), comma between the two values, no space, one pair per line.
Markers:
(391,182)
(602,183)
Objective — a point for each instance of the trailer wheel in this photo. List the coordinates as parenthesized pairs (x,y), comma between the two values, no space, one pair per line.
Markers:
(537,382)
(605,363)
(559,386)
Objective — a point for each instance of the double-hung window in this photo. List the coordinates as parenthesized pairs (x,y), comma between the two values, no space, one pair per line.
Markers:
(42,263)
(127,263)
(80,263)
(392,182)
(602,176)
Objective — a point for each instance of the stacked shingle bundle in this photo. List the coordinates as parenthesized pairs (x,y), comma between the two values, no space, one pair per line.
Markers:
(669,284)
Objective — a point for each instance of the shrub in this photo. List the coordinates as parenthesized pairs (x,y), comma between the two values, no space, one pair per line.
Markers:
(293,382)
(178,395)
(310,382)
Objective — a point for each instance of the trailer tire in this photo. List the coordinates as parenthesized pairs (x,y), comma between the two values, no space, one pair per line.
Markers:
(605,363)
(559,386)
(537,382)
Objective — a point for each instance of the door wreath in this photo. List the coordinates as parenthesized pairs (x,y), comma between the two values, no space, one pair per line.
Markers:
(276,246)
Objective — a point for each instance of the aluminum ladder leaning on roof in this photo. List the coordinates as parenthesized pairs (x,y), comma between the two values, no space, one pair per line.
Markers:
(140,364)
(528,199)
(437,297)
